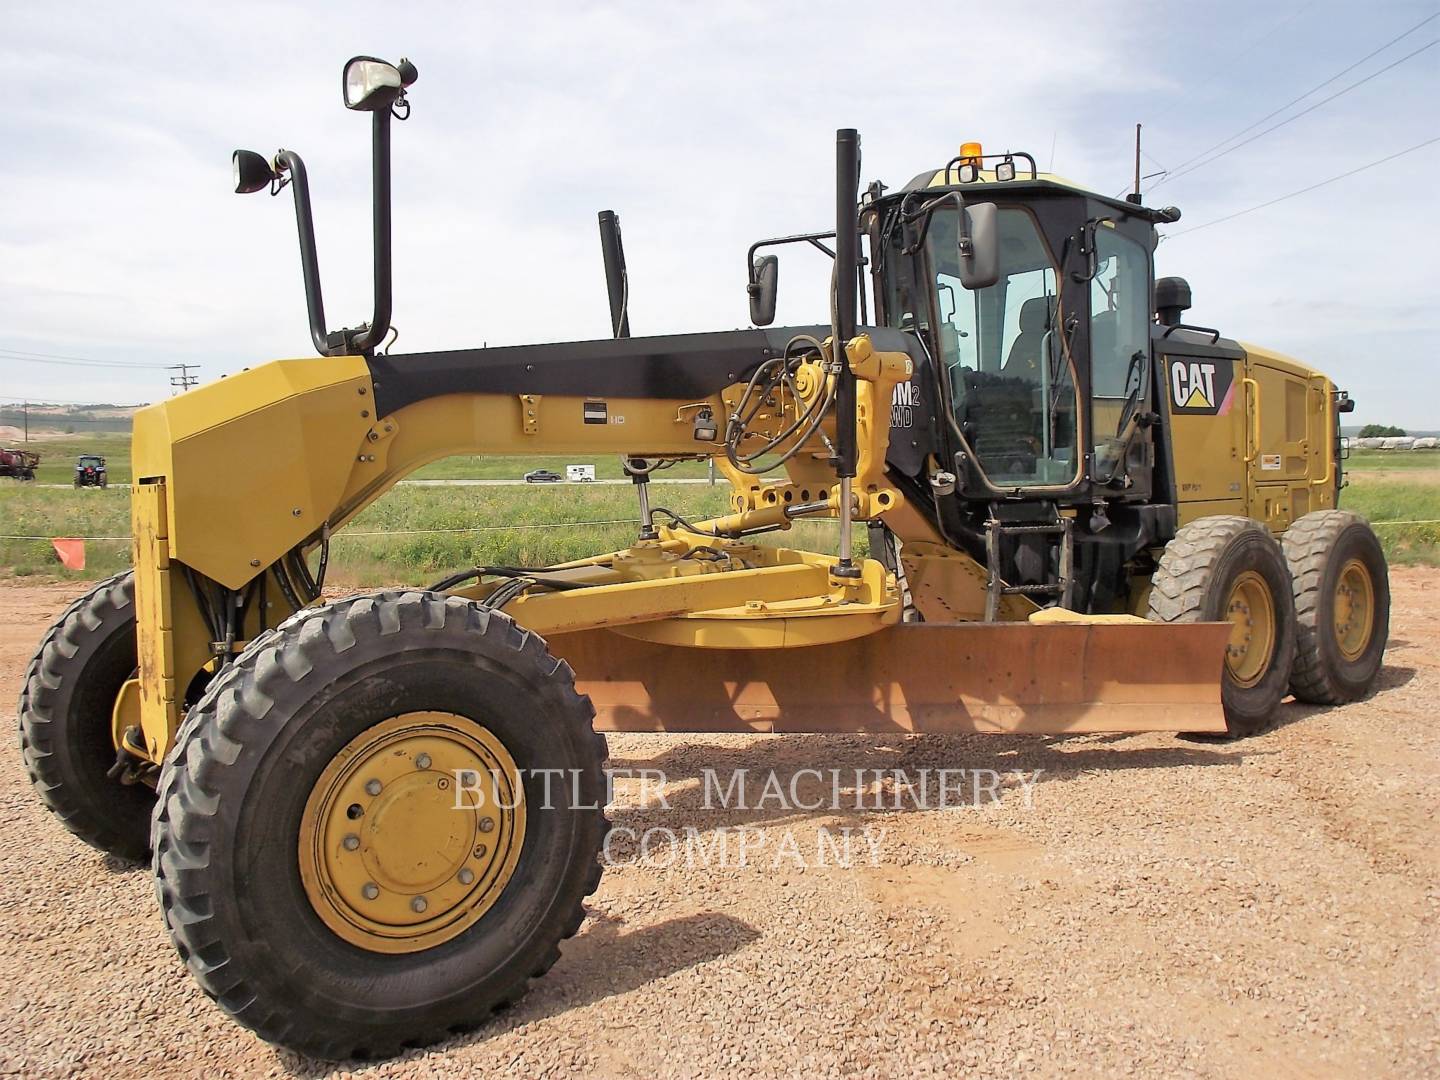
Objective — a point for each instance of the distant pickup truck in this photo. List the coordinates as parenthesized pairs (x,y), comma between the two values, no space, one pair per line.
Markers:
(20,464)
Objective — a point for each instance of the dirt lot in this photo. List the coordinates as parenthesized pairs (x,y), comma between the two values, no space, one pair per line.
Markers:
(1160,907)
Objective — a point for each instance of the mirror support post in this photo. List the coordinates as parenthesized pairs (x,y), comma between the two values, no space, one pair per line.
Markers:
(290,162)
(380,178)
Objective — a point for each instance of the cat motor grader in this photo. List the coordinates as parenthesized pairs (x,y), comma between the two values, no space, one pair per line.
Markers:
(1085,515)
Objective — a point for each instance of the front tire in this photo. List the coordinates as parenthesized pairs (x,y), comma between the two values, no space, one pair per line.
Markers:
(1230,569)
(65,711)
(1342,606)
(310,871)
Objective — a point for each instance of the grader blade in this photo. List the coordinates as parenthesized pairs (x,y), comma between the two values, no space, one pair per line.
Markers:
(1042,678)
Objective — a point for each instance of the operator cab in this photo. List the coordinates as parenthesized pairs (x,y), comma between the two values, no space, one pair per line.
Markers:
(1042,379)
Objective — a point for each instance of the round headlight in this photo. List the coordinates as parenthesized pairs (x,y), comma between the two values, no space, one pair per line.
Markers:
(371,84)
(252,172)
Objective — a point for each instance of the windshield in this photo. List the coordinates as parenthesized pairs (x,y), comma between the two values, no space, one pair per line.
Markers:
(1011,387)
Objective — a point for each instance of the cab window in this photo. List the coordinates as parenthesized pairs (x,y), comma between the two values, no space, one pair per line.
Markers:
(1119,327)
(1012,391)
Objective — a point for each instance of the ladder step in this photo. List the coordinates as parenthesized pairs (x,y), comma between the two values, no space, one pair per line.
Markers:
(1034,590)
(1020,530)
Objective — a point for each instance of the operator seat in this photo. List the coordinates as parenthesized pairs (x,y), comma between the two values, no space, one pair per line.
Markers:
(1027,354)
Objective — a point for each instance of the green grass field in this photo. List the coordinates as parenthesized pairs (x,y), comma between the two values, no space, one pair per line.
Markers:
(426,531)
(491,467)
(57,456)
(57,462)
(1405,461)
(433,530)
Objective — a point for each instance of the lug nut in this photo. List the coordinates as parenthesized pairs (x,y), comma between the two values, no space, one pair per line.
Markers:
(351,842)
(422,761)
(372,787)
(486,824)
(480,850)
(466,876)
(418,905)
(370,890)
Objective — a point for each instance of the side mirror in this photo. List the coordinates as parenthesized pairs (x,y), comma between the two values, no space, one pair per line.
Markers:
(764,281)
(980,247)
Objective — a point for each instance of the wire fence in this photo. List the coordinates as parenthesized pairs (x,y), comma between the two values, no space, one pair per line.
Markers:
(544,525)
(348,534)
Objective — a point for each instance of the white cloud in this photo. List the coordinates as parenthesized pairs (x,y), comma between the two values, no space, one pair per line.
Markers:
(705,128)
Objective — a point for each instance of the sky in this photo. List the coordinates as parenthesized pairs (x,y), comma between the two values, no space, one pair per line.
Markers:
(705,127)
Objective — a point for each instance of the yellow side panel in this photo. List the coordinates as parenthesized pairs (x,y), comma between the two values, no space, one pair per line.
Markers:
(1291,471)
(154,630)
(255,462)
(1209,445)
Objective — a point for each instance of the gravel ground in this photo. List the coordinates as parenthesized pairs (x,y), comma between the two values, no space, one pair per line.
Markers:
(1149,906)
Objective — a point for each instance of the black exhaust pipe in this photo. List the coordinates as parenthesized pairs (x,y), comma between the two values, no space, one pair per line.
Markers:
(847,274)
(617,280)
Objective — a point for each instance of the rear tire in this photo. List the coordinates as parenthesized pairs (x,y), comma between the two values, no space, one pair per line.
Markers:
(1339,569)
(1230,569)
(65,728)
(234,827)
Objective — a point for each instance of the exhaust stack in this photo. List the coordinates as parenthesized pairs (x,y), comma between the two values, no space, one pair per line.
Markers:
(617,278)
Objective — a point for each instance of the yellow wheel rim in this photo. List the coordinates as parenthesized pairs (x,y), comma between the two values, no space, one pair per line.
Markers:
(1354,614)
(412,832)
(1250,610)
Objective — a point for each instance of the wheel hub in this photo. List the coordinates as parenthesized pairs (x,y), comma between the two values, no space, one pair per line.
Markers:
(412,831)
(1250,610)
(1354,614)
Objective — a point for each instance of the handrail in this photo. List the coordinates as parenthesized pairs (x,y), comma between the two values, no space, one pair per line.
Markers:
(1252,397)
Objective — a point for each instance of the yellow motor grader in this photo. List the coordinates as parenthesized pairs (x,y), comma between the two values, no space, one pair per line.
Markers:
(1084,515)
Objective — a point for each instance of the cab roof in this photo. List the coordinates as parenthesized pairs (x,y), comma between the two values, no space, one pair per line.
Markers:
(937,181)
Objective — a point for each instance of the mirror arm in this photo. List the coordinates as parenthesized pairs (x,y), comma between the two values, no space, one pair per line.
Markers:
(799,238)
(289,161)
(927,212)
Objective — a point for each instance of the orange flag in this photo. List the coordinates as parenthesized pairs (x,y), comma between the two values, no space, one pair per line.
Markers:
(71,552)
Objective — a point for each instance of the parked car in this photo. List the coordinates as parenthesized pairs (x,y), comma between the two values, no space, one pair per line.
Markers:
(543,476)
(18,463)
(90,471)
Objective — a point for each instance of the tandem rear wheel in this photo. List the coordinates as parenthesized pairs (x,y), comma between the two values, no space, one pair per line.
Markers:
(399,798)
(1342,606)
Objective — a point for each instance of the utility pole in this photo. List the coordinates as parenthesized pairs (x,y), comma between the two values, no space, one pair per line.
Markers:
(184,380)
(26,409)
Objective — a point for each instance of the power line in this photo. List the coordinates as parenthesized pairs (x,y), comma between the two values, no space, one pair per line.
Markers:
(1217,71)
(73,361)
(41,399)
(1304,190)
(1303,112)
(1295,101)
